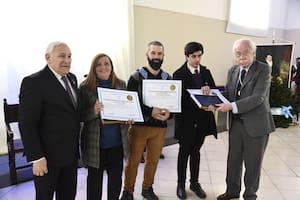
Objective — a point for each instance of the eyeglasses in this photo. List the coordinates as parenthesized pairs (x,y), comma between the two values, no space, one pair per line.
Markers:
(239,54)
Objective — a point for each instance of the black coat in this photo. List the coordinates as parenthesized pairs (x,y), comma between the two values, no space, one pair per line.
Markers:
(192,117)
(48,122)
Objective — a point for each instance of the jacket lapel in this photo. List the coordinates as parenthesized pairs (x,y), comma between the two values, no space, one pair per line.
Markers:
(189,80)
(61,92)
(235,75)
(232,83)
(249,74)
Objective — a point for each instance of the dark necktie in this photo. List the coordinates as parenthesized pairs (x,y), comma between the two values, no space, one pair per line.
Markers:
(196,71)
(239,85)
(68,89)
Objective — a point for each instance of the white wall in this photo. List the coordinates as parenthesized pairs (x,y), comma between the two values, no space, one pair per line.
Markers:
(215,9)
(278,13)
(293,15)
(284,13)
(284,16)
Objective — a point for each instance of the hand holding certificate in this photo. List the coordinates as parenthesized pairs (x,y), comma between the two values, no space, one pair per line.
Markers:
(120,105)
(203,101)
(162,94)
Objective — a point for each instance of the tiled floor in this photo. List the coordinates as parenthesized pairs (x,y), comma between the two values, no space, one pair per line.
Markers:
(280,178)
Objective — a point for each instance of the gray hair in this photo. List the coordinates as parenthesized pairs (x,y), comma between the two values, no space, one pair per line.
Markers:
(251,45)
(50,48)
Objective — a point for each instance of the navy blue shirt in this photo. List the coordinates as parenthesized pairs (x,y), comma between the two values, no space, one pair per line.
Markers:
(110,133)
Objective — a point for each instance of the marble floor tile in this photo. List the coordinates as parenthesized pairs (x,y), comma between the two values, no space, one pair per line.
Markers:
(280,175)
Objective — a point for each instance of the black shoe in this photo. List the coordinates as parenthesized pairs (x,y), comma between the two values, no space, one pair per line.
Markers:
(127,196)
(162,156)
(181,194)
(196,187)
(148,194)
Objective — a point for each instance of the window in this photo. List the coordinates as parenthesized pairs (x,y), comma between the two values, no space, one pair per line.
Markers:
(249,17)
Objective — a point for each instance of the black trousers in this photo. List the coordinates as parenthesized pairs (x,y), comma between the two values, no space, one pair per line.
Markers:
(60,179)
(189,150)
(111,160)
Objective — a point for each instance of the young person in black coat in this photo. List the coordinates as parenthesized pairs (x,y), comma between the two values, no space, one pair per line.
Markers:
(193,123)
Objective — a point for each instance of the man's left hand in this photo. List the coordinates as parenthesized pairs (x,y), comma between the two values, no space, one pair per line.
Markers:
(224,107)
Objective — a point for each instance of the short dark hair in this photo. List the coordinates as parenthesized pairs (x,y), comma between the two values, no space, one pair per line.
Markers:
(155,43)
(192,47)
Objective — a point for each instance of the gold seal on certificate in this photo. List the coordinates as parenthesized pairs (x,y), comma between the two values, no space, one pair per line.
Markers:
(172,87)
(164,94)
(129,97)
(120,105)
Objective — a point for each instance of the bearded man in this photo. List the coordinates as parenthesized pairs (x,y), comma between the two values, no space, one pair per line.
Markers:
(151,133)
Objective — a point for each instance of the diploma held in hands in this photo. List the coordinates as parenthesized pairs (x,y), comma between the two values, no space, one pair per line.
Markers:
(215,97)
(162,94)
(120,105)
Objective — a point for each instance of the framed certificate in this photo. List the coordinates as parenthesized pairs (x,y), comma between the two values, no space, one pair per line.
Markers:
(162,94)
(215,97)
(120,105)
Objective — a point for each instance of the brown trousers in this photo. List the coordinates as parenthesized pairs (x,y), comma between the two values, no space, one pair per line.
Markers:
(139,137)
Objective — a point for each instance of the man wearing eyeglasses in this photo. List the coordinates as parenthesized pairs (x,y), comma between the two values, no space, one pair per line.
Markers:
(247,88)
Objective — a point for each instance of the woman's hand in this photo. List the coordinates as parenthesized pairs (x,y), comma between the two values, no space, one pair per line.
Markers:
(130,122)
(98,106)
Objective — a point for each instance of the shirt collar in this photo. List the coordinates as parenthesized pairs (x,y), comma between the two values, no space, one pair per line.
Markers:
(192,69)
(58,76)
(245,68)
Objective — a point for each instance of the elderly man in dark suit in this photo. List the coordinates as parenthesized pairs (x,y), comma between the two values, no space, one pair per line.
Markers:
(193,124)
(49,125)
(247,88)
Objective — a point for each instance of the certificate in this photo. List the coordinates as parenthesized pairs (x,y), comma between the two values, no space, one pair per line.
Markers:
(120,105)
(215,97)
(162,94)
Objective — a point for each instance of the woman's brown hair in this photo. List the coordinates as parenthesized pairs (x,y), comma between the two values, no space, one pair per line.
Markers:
(91,80)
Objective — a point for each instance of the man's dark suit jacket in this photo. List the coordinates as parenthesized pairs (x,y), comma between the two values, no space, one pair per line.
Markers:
(48,122)
(192,116)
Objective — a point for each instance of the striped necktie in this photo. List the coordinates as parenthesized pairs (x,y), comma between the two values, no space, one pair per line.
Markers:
(68,89)
(239,85)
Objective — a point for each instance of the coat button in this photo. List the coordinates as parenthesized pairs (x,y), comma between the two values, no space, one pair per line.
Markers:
(195,125)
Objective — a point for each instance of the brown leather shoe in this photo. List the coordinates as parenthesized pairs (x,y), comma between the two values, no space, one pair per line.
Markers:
(227,196)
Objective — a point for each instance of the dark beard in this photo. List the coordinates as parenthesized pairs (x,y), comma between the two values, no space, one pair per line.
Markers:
(155,63)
